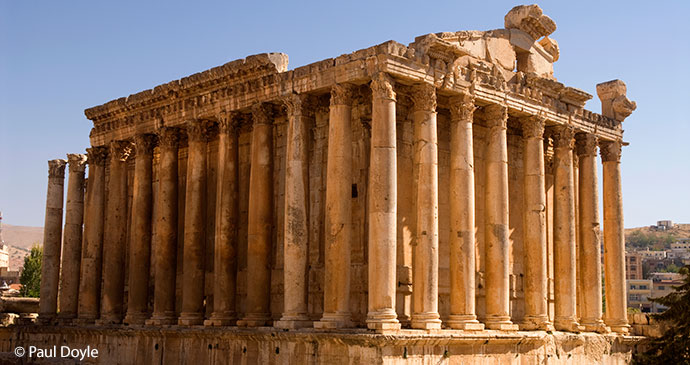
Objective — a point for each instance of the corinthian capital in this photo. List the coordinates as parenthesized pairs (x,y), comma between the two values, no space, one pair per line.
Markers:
(227,122)
(462,108)
(97,155)
(197,131)
(610,151)
(533,126)
(563,136)
(261,113)
(120,150)
(586,144)
(77,162)
(293,104)
(382,86)
(168,137)
(341,94)
(144,143)
(424,97)
(496,115)
(56,168)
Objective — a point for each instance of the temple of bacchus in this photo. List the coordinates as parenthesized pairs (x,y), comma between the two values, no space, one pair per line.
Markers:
(440,196)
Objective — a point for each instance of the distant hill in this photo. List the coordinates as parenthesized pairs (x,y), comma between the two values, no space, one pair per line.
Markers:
(647,237)
(22,236)
(19,240)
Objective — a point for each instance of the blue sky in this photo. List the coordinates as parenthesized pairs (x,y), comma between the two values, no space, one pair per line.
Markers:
(59,57)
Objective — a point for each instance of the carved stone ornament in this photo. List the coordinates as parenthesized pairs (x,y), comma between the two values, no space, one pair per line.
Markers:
(496,115)
(120,150)
(144,143)
(97,156)
(462,107)
(261,113)
(168,137)
(341,94)
(533,126)
(227,122)
(77,162)
(56,168)
(563,136)
(382,86)
(610,151)
(586,144)
(293,104)
(424,97)
(197,131)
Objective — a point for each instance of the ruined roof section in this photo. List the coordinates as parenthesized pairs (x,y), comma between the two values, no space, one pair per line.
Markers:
(254,65)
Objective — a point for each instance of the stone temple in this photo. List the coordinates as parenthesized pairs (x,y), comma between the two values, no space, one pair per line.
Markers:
(431,202)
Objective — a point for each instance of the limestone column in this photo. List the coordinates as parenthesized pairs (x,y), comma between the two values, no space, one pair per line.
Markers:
(425,266)
(72,239)
(536,279)
(141,231)
(52,241)
(225,245)
(336,301)
(614,239)
(193,274)
(382,199)
(165,240)
(496,201)
(92,251)
(115,234)
(296,228)
(260,220)
(462,242)
(590,232)
(565,318)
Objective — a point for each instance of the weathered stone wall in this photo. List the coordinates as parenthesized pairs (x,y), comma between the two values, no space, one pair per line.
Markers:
(252,346)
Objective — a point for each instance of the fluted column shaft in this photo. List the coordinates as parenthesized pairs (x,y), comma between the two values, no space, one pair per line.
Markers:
(338,212)
(536,280)
(462,236)
(72,238)
(141,230)
(565,316)
(225,245)
(260,220)
(614,239)
(115,235)
(382,199)
(496,201)
(192,312)
(296,225)
(92,254)
(425,266)
(590,232)
(165,241)
(52,240)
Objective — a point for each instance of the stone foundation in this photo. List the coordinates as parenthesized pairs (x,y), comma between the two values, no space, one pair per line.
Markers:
(357,346)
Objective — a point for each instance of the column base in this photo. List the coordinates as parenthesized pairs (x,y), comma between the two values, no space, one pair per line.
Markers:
(465,322)
(292,324)
(47,318)
(426,321)
(383,320)
(536,323)
(567,325)
(221,320)
(500,323)
(620,327)
(334,321)
(254,320)
(162,319)
(595,325)
(134,319)
(86,319)
(190,319)
(109,319)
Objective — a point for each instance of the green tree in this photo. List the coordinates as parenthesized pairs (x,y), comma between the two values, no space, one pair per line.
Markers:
(31,274)
(674,346)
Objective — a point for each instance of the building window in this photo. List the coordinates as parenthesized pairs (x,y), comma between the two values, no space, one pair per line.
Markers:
(661,287)
(643,286)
